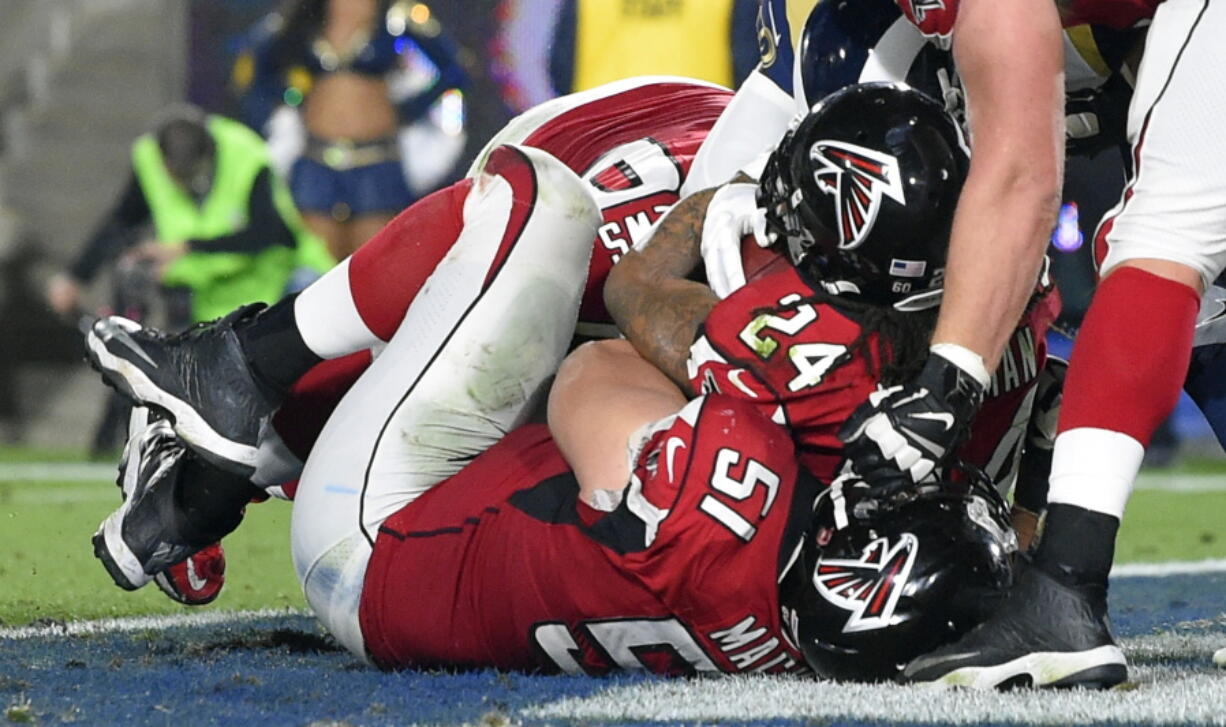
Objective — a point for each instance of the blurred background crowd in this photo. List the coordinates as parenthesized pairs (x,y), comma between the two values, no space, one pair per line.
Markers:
(171,159)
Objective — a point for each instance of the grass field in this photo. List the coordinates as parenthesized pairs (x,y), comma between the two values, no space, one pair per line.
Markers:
(49,572)
(255,657)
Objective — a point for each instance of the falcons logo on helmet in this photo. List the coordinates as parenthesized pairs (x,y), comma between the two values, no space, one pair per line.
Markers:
(869,587)
(857,178)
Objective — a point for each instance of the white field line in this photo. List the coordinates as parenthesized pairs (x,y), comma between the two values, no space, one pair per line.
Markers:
(57,471)
(141,623)
(1169,568)
(1181,483)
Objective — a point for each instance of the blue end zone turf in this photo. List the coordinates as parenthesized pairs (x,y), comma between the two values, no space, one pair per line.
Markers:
(282,670)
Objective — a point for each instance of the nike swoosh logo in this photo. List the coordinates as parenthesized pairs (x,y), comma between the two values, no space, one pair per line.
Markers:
(670,449)
(735,377)
(925,661)
(196,582)
(947,419)
(115,333)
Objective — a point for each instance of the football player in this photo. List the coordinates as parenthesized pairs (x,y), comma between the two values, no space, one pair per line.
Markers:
(674,536)
(865,226)
(632,142)
(1164,243)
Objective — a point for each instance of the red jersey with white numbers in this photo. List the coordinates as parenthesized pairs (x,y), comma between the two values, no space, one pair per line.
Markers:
(502,566)
(935,18)
(801,365)
(633,142)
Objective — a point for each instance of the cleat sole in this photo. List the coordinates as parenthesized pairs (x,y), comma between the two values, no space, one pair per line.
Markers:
(1099,668)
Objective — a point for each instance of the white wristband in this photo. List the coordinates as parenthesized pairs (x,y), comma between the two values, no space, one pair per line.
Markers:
(965,359)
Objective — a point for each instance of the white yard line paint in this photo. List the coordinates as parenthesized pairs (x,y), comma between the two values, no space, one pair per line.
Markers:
(57,471)
(1181,483)
(140,623)
(1159,694)
(1169,568)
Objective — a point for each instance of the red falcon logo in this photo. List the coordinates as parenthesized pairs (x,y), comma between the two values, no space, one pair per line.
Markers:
(857,178)
(869,587)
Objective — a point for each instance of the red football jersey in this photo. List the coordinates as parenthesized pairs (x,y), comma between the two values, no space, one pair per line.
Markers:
(935,18)
(634,147)
(794,361)
(502,566)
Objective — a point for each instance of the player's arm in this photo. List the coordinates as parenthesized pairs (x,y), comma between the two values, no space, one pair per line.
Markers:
(1010,57)
(603,394)
(648,296)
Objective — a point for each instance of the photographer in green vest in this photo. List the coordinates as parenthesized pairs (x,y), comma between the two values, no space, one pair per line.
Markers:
(224,224)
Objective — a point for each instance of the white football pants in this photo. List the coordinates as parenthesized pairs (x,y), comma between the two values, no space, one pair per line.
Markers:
(466,366)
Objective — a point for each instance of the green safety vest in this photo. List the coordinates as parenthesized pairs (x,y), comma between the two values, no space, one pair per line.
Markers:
(223,281)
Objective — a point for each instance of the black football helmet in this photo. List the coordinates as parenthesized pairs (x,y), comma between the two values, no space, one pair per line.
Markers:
(863,189)
(866,594)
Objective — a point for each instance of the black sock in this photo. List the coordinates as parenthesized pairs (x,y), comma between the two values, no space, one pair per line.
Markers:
(210,502)
(274,348)
(1077,545)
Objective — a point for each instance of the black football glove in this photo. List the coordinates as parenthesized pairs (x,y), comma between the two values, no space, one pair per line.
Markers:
(899,437)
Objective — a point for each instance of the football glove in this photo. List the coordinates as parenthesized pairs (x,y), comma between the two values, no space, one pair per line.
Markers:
(899,437)
(731,215)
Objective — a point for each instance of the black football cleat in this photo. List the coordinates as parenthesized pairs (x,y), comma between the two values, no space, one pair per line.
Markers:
(132,542)
(148,536)
(199,379)
(1045,634)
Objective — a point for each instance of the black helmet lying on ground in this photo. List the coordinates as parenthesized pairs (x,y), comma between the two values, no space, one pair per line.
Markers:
(875,584)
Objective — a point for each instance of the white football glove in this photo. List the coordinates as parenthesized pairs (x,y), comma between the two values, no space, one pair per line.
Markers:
(732,214)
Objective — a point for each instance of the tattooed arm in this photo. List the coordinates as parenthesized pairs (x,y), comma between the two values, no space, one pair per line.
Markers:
(649,297)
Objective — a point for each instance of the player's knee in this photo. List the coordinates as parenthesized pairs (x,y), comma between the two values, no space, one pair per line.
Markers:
(553,187)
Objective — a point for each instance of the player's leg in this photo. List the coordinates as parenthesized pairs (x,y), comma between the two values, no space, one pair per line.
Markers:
(260,354)
(465,366)
(1166,239)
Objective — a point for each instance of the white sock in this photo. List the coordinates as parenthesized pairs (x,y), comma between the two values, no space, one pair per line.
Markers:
(328,319)
(1094,469)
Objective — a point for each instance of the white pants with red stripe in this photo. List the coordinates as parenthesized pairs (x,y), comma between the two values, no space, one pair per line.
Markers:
(1174,208)
(470,359)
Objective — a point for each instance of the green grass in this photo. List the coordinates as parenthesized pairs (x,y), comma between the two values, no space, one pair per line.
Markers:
(1162,526)
(48,571)
(47,568)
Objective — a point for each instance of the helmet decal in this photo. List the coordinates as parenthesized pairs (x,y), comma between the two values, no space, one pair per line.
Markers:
(868,587)
(857,178)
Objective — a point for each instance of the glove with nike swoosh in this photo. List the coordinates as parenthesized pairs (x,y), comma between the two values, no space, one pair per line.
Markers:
(902,434)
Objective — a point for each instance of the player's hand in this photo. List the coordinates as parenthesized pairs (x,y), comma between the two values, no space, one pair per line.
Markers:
(731,215)
(902,434)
